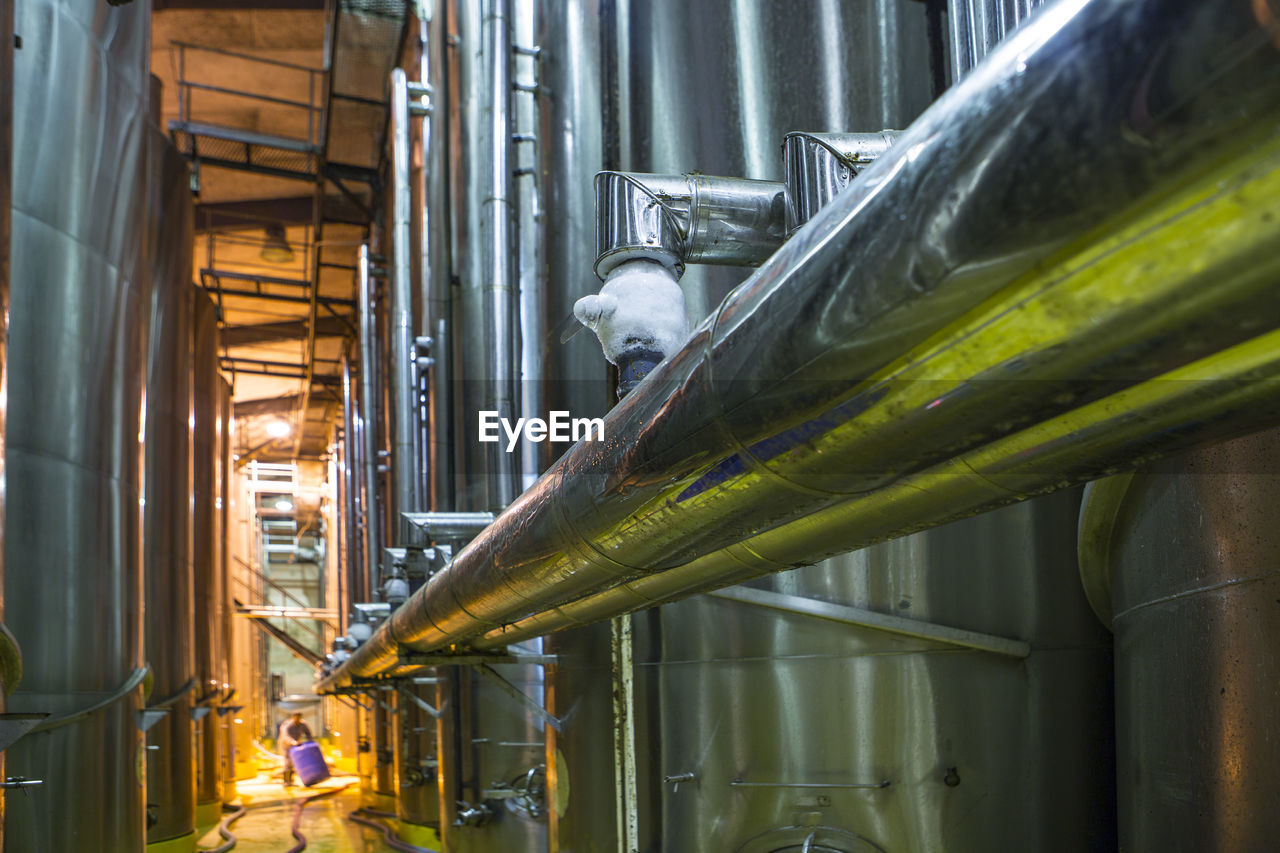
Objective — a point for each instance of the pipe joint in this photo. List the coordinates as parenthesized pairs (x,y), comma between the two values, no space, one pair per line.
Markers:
(818,166)
(679,219)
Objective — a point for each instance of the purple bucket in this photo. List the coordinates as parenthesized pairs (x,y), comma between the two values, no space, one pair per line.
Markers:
(308,761)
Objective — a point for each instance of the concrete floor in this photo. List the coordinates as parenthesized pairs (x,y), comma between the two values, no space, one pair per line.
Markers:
(265,826)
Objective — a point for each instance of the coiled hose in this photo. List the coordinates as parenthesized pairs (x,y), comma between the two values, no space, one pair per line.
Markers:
(224,829)
(394,843)
(297,815)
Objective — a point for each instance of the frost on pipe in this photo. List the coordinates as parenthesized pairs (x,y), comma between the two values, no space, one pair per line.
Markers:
(639,317)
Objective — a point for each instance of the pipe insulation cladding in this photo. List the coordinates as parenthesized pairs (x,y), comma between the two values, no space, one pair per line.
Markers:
(850,361)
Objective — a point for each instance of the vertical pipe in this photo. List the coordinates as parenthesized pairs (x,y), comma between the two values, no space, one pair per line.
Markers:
(497,247)
(436,299)
(226,648)
(370,423)
(534,456)
(204,479)
(624,736)
(402,385)
(350,552)
(10,660)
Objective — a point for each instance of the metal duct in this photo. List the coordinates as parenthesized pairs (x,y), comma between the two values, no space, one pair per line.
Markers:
(693,465)
(169,625)
(77,350)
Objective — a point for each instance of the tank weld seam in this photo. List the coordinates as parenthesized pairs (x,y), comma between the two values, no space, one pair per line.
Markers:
(1196,591)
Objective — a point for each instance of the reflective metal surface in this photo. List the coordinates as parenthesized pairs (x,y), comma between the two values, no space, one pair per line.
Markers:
(1194,591)
(77,359)
(205,388)
(8,677)
(786,719)
(610,509)
(978,25)
(167,565)
(678,219)
(820,165)
(402,387)
(368,447)
(715,85)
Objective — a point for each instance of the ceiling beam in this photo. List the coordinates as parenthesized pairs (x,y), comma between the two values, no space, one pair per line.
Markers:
(160,5)
(290,330)
(289,210)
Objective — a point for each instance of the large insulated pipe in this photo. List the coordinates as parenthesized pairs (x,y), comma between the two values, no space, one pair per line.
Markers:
(403,384)
(1220,397)
(368,425)
(796,395)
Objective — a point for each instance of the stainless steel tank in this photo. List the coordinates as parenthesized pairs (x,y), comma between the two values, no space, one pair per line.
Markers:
(1196,613)
(169,610)
(789,722)
(78,359)
(205,392)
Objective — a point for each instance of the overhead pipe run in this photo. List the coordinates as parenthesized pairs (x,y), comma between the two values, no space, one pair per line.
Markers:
(722,440)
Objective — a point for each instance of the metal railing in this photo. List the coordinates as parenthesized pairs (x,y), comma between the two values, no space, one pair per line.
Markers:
(192,80)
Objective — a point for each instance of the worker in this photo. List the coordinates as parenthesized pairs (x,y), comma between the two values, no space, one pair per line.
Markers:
(293,731)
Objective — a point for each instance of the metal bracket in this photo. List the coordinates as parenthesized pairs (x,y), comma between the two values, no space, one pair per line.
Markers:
(878,621)
(14,726)
(511,690)
(420,702)
(738,783)
(411,658)
(148,717)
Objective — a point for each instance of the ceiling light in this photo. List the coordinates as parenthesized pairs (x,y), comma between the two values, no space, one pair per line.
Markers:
(278,429)
(275,248)
(284,505)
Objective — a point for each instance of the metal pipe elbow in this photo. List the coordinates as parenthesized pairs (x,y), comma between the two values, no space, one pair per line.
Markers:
(679,219)
(818,166)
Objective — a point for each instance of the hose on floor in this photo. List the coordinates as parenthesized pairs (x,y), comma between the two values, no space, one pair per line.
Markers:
(297,815)
(224,829)
(392,841)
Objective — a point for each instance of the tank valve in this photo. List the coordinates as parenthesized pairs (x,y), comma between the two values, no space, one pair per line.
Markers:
(675,779)
(472,815)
